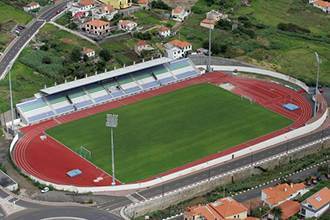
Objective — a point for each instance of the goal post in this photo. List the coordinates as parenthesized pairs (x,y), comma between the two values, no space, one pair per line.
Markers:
(85,153)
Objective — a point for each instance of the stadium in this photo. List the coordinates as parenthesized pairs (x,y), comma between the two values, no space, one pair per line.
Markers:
(173,119)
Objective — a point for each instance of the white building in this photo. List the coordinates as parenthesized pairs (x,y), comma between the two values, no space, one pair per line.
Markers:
(164,32)
(179,13)
(215,15)
(275,196)
(89,52)
(316,205)
(126,25)
(31,6)
(104,11)
(81,6)
(323,5)
(177,49)
(97,27)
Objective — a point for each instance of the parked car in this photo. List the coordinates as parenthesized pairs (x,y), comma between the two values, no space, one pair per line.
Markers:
(45,189)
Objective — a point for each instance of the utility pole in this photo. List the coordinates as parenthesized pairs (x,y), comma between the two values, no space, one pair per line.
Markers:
(209,24)
(208,68)
(112,122)
(317,82)
(11,103)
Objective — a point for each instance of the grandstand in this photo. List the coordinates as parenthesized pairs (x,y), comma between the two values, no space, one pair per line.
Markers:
(90,91)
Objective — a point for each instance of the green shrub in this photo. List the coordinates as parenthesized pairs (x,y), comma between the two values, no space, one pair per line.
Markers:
(289,27)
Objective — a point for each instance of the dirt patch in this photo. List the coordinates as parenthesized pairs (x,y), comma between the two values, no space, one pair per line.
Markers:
(68,41)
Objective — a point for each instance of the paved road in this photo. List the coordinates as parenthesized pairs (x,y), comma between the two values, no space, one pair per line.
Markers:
(73,212)
(13,52)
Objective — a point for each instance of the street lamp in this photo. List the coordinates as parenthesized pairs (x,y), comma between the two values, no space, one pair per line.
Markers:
(11,96)
(112,122)
(317,81)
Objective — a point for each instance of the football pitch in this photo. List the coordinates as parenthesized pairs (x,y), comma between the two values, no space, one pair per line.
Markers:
(170,130)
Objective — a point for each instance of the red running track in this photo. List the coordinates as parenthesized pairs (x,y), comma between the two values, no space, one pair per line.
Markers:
(49,160)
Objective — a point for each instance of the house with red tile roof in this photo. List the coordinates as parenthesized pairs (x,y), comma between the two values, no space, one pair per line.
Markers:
(164,32)
(225,208)
(97,27)
(321,4)
(289,208)
(143,3)
(176,49)
(317,204)
(276,195)
(208,23)
(81,6)
(31,6)
(104,11)
(179,13)
(89,52)
(126,25)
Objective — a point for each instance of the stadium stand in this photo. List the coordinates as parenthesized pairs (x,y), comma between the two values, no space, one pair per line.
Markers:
(87,92)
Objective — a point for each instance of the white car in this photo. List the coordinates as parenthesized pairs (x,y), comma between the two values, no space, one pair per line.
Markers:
(44,190)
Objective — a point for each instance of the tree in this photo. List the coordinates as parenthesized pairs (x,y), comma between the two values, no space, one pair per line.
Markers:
(105,54)
(160,5)
(75,54)
(277,212)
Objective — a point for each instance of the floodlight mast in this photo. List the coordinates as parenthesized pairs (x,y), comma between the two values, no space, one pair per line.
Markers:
(317,81)
(112,122)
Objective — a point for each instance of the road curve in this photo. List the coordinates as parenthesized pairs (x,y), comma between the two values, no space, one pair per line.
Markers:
(9,58)
(63,213)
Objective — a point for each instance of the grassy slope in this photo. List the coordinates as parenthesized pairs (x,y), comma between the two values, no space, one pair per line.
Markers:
(288,54)
(9,17)
(26,79)
(10,13)
(158,134)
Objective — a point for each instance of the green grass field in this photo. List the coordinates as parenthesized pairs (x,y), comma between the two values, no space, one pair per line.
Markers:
(170,130)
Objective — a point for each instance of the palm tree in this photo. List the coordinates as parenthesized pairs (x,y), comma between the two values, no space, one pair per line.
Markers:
(277,212)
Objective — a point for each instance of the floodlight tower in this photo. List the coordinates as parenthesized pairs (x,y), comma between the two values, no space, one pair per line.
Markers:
(209,24)
(112,122)
(318,61)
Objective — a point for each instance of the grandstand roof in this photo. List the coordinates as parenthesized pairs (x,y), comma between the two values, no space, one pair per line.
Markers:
(104,76)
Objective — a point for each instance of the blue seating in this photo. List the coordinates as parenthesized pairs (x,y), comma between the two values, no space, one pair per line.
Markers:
(166,80)
(64,109)
(40,116)
(186,75)
(150,85)
(83,104)
(102,98)
(132,90)
(117,94)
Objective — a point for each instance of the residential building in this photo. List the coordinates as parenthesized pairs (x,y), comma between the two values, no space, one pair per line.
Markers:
(104,11)
(208,23)
(31,6)
(289,208)
(126,25)
(225,208)
(89,52)
(323,5)
(117,4)
(97,27)
(274,196)
(176,49)
(164,32)
(317,204)
(179,13)
(215,15)
(143,3)
(141,46)
(81,6)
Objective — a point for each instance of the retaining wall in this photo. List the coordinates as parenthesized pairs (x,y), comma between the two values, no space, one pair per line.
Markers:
(202,187)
